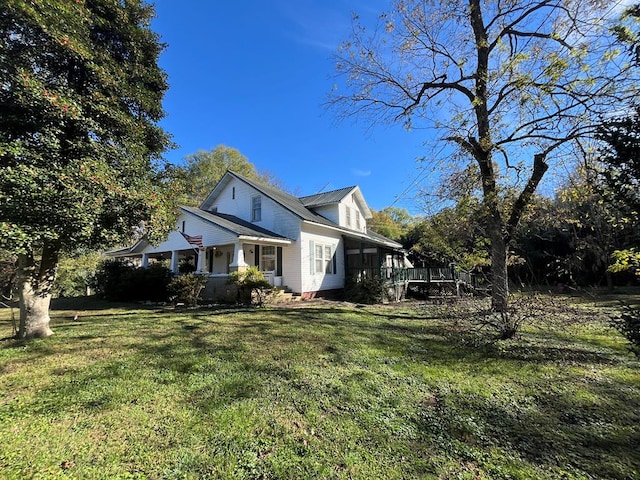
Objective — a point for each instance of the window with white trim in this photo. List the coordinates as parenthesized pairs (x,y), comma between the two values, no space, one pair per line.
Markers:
(357,220)
(268,258)
(323,258)
(256,209)
(348,216)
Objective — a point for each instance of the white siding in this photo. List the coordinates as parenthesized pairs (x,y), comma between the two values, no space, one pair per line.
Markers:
(274,217)
(313,282)
(332,212)
(355,211)
(211,235)
(291,268)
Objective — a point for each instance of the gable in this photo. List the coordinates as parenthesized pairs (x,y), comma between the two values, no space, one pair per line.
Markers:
(344,209)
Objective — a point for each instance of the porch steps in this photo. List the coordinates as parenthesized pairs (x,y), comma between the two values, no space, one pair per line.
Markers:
(285,295)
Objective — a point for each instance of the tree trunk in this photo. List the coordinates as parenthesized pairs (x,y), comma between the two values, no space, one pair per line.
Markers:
(499,276)
(35,282)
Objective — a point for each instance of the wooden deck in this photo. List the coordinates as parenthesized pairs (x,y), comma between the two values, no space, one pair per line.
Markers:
(429,277)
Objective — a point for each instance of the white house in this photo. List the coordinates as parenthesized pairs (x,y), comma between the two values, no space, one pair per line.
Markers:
(308,244)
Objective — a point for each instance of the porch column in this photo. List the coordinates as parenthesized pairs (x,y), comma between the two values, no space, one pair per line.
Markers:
(238,263)
(174,261)
(201,261)
(145,260)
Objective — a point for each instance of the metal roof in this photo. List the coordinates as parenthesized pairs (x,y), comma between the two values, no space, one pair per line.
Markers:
(326,198)
(297,206)
(233,224)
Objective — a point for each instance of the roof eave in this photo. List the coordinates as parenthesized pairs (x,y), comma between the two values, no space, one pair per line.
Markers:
(355,234)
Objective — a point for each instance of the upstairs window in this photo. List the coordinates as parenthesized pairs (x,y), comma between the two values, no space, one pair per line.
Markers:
(348,216)
(256,209)
(357,220)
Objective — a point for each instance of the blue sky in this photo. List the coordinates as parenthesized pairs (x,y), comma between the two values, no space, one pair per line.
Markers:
(254,75)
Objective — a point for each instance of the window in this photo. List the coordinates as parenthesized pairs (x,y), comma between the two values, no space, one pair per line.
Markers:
(357,220)
(268,258)
(183,225)
(323,260)
(256,209)
(348,216)
(328,263)
(233,193)
(319,261)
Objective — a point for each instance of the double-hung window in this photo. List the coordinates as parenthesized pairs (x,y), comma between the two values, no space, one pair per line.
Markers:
(256,209)
(323,260)
(268,258)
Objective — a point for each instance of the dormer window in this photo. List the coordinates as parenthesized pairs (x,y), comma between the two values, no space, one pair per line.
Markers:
(348,216)
(357,220)
(256,209)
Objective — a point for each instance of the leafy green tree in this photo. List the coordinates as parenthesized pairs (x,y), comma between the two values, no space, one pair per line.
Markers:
(205,169)
(506,84)
(453,235)
(391,222)
(619,159)
(76,274)
(80,146)
(625,260)
(569,239)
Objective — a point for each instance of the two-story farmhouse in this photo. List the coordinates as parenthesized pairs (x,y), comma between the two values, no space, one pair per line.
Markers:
(309,244)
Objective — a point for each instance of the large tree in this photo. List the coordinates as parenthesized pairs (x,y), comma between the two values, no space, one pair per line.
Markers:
(391,222)
(509,84)
(619,158)
(80,98)
(205,168)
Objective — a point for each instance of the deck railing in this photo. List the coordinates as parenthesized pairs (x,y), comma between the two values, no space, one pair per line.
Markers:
(427,274)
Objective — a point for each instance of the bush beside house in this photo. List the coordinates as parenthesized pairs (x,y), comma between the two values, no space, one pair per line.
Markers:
(117,280)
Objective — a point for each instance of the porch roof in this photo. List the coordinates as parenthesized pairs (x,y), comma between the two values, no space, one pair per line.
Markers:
(133,250)
(374,238)
(235,225)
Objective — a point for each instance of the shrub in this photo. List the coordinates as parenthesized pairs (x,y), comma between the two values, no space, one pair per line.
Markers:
(186,288)
(186,266)
(628,324)
(109,278)
(253,288)
(119,280)
(364,290)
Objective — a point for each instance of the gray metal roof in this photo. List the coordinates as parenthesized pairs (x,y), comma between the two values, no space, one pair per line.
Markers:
(233,224)
(297,207)
(291,203)
(326,198)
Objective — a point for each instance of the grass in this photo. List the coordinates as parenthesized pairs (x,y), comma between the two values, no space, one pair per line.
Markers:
(325,391)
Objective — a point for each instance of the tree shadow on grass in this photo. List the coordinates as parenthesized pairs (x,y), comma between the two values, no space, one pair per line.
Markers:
(222,357)
(593,432)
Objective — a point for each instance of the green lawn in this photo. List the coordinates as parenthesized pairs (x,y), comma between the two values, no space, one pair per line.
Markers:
(324,391)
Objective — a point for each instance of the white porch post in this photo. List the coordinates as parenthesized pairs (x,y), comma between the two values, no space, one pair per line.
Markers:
(238,262)
(174,261)
(201,261)
(145,260)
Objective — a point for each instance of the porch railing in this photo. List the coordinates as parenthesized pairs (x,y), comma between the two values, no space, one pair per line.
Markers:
(401,274)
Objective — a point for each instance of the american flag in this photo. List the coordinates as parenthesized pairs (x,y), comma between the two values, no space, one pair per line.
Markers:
(194,240)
